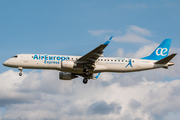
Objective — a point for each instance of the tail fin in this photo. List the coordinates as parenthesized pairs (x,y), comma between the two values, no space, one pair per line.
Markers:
(161,51)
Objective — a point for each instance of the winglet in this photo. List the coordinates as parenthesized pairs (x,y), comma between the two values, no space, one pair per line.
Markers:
(108,41)
(97,75)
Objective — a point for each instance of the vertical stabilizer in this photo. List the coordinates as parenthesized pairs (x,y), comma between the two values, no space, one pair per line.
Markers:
(161,51)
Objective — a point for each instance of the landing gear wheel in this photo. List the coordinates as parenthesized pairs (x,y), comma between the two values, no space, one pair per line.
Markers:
(20,74)
(85,80)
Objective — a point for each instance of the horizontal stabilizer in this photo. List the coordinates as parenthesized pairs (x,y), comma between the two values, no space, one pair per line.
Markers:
(166,59)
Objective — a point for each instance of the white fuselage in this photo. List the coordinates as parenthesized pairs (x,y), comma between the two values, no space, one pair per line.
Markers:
(102,64)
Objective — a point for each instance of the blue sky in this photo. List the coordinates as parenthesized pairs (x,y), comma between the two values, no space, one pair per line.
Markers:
(49,26)
(75,28)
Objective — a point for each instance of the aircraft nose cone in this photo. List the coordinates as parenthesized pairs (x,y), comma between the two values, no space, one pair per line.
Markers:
(5,63)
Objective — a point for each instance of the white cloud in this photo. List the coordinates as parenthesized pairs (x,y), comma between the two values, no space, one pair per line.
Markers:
(74,100)
(120,52)
(106,76)
(130,37)
(134,34)
(139,30)
(99,32)
(142,52)
(139,95)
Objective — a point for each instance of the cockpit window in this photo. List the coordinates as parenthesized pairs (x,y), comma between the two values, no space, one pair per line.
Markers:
(15,56)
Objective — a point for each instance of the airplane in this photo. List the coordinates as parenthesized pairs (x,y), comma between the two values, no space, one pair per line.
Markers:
(94,62)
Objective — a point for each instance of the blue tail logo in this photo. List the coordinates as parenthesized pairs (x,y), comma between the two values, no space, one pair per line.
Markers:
(161,51)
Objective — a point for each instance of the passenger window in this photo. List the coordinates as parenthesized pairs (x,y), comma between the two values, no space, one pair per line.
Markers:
(108,60)
(101,59)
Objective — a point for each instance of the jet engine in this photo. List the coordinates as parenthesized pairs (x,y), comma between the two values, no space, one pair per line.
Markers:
(66,76)
(67,64)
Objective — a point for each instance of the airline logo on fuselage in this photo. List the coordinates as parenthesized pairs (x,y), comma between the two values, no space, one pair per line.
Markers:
(50,59)
(129,64)
(161,51)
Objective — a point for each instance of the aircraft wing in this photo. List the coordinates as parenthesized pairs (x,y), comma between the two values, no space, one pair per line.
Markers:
(90,58)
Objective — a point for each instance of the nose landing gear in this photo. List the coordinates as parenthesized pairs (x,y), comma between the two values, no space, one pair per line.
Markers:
(20,68)
(20,74)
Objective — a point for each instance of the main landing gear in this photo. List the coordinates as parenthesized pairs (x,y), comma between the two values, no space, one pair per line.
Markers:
(86,75)
(20,68)
(85,80)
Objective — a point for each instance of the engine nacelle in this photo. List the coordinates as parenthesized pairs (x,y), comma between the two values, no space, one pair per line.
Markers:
(66,76)
(67,64)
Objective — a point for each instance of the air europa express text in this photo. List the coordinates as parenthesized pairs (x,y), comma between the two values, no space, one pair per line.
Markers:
(46,57)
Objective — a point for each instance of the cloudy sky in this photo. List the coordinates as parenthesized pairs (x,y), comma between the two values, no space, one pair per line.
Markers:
(75,28)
